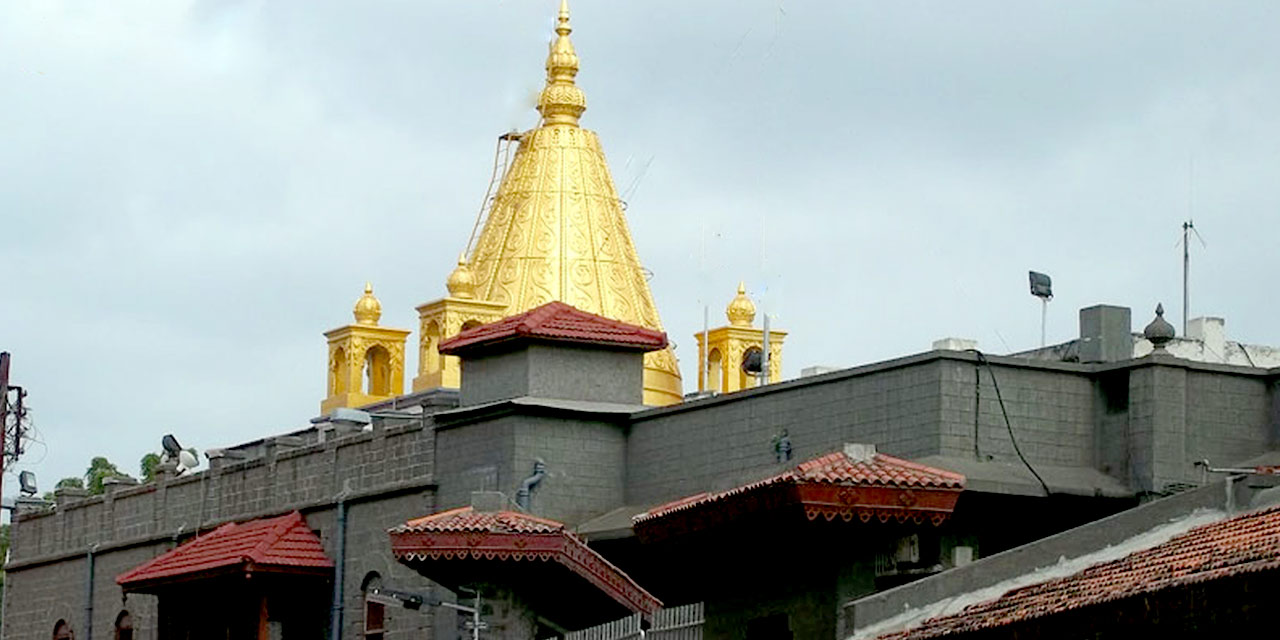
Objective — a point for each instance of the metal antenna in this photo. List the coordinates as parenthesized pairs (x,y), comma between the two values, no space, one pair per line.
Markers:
(1188,227)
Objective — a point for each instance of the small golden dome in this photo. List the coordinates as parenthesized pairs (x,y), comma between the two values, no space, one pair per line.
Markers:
(741,310)
(368,310)
(461,283)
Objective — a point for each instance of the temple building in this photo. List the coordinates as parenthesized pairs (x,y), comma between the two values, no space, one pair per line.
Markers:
(555,230)
(545,475)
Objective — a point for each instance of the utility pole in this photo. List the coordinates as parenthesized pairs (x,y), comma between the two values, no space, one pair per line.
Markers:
(4,413)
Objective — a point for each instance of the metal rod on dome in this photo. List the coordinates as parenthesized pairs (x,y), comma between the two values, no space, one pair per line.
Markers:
(764,356)
(704,366)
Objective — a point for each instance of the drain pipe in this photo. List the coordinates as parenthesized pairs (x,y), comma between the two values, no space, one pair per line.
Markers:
(335,616)
(88,594)
(525,491)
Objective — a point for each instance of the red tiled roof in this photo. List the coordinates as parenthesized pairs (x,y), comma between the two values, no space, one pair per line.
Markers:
(284,544)
(468,519)
(466,534)
(1243,544)
(880,470)
(558,322)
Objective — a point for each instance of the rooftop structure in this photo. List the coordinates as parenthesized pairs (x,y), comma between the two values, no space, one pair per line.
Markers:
(555,231)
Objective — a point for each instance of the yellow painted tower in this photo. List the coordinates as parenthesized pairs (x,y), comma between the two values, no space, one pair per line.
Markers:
(723,351)
(366,361)
(555,231)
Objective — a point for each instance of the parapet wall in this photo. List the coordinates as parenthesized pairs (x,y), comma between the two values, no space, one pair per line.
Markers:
(283,479)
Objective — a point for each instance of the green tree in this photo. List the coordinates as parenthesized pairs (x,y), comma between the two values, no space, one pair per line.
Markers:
(148,464)
(100,469)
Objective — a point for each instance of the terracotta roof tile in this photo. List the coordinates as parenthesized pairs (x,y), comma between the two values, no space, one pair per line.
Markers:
(271,543)
(465,534)
(468,519)
(558,322)
(1243,544)
(880,470)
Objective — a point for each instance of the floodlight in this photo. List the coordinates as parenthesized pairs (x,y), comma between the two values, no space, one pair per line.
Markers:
(27,483)
(1041,285)
(395,598)
(171,446)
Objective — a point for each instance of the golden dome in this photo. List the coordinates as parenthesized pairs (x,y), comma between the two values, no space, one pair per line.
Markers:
(461,283)
(368,310)
(741,310)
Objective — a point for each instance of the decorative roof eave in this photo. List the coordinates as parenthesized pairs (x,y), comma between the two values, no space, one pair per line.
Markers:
(556,322)
(283,545)
(822,487)
(547,541)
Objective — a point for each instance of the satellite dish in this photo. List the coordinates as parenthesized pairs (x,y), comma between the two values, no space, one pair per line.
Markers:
(187,460)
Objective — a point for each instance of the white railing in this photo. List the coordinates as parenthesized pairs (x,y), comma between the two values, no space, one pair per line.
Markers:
(676,623)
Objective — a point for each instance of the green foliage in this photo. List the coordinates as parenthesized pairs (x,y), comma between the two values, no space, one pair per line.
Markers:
(99,469)
(148,466)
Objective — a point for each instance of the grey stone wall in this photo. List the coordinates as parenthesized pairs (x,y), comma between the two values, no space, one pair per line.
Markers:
(494,376)
(1181,413)
(391,480)
(585,463)
(562,371)
(911,407)
(1051,411)
(591,374)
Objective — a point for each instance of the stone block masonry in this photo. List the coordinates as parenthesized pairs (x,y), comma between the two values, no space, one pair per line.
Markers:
(391,476)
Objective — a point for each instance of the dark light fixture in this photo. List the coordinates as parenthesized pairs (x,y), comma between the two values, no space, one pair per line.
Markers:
(1041,285)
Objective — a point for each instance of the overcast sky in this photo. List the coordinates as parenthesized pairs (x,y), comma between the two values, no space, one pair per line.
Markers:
(192,192)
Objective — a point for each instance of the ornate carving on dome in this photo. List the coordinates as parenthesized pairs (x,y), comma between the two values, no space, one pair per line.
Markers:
(741,310)
(562,102)
(462,282)
(367,310)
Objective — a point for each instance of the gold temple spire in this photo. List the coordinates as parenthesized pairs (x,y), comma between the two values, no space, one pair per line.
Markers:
(562,102)
(555,231)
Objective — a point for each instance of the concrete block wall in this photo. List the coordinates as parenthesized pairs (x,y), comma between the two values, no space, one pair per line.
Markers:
(392,468)
(585,463)
(704,444)
(1051,411)
(1181,413)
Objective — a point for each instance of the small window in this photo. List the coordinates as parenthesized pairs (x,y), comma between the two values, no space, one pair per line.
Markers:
(124,626)
(375,614)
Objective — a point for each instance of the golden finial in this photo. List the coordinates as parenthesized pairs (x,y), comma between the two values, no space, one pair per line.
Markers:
(741,310)
(562,102)
(368,310)
(461,283)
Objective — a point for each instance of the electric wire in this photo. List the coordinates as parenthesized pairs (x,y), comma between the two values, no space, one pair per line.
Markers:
(982,359)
